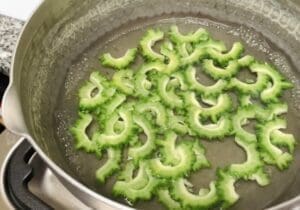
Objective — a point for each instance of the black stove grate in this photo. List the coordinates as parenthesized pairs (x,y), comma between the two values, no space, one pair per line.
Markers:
(17,175)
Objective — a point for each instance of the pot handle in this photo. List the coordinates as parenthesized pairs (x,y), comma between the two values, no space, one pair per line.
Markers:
(12,111)
(17,175)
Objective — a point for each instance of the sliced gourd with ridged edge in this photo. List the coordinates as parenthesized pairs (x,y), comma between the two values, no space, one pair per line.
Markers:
(140,152)
(178,80)
(114,156)
(88,100)
(245,100)
(186,158)
(198,36)
(82,141)
(165,198)
(194,84)
(172,59)
(271,111)
(168,96)
(226,189)
(261,177)
(241,118)
(139,180)
(113,124)
(183,49)
(123,80)
(169,155)
(219,105)
(217,72)
(205,199)
(111,105)
(201,161)
(212,44)
(155,108)
(283,139)
(269,152)
(116,139)
(142,84)
(177,123)
(277,85)
(140,187)
(194,57)
(222,57)
(147,42)
(211,131)
(253,89)
(252,163)
(119,63)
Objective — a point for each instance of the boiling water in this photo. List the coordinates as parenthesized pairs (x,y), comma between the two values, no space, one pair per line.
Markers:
(219,153)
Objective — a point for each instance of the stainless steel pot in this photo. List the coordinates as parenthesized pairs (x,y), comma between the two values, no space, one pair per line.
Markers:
(57,50)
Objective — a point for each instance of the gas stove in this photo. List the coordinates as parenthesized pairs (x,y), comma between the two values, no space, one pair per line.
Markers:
(26,182)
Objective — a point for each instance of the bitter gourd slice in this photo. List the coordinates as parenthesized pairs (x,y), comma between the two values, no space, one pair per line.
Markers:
(88,100)
(111,105)
(241,118)
(205,199)
(82,141)
(177,123)
(142,84)
(186,158)
(252,163)
(269,152)
(245,100)
(198,36)
(212,44)
(194,57)
(111,165)
(201,161)
(168,150)
(219,72)
(219,106)
(223,58)
(123,80)
(168,96)
(113,139)
(211,131)
(155,108)
(182,49)
(119,63)
(172,59)
(261,177)
(283,139)
(134,189)
(253,89)
(113,124)
(147,42)
(178,80)
(214,89)
(271,93)
(226,189)
(165,198)
(140,152)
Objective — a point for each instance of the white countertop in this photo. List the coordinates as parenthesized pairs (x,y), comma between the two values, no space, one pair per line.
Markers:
(20,9)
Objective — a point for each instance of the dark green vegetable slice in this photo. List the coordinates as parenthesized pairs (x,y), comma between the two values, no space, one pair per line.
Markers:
(88,100)
(112,164)
(147,42)
(119,63)
(269,152)
(205,199)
